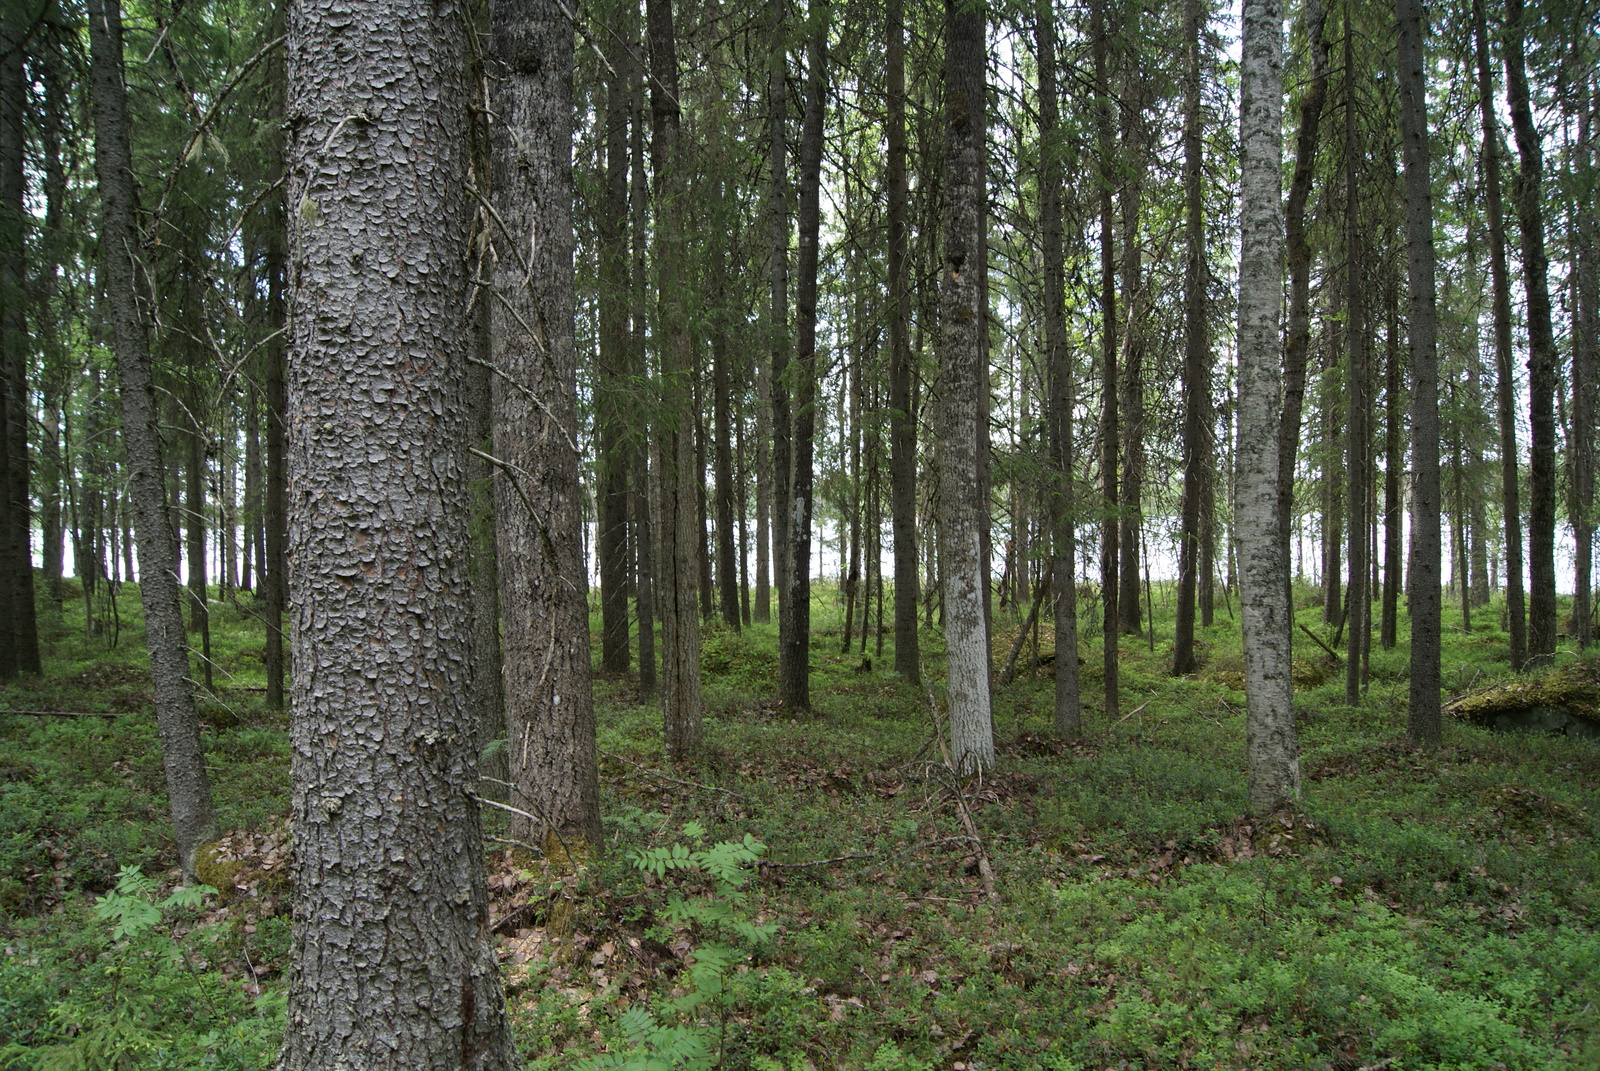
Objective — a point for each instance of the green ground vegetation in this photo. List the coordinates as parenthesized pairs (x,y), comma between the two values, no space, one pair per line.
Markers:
(814,892)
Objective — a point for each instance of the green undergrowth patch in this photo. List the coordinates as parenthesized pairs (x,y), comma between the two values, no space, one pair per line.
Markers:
(808,892)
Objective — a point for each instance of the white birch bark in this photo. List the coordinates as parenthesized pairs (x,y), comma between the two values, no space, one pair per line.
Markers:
(1273,752)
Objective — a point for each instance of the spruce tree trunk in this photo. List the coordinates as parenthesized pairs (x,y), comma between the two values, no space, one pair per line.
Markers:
(254,548)
(177,720)
(194,511)
(1393,463)
(778,341)
(721,402)
(392,962)
(1359,604)
(1130,407)
(1585,374)
(1272,749)
(1297,340)
(794,646)
(1196,355)
(643,470)
(1542,359)
(902,416)
(611,388)
(1505,389)
(679,559)
(55,385)
(1423,713)
(538,504)
(1110,453)
(19,637)
(1058,368)
(962,377)
(275,563)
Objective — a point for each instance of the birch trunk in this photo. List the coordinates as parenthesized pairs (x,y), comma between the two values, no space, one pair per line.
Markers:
(1272,749)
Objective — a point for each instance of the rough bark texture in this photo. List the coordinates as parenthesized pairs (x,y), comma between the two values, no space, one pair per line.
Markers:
(1109,427)
(678,533)
(1272,749)
(962,376)
(392,961)
(1542,359)
(53,385)
(611,385)
(275,520)
(1130,406)
(778,341)
(1196,355)
(178,722)
(19,636)
(1422,715)
(794,646)
(643,470)
(1585,375)
(538,505)
(1358,395)
(902,418)
(1297,341)
(1058,367)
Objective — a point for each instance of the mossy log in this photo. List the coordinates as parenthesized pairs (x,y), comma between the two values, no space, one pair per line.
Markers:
(1564,700)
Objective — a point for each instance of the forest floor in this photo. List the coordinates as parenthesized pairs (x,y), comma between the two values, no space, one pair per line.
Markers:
(819,892)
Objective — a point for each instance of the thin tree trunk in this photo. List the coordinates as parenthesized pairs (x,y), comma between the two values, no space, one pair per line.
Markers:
(1542,360)
(794,646)
(1423,714)
(679,558)
(1110,453)
(1130,407)
(778,304)
(275,563)
(194,514)
(611,388)
(1297,340)
(1585,373)
(643,470)
(54,382)
(1272,749)
(1196,355)
(1393,463)
(1058,368)
(1359,605)
(254,548)
(177,720)
(1505,391)
(902,416)
(727,573)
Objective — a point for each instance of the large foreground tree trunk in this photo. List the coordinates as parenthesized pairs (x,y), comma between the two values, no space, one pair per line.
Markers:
(177,720)
(538,505)
(962,376)
(1422,715)
(392,965)
(1263,597)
